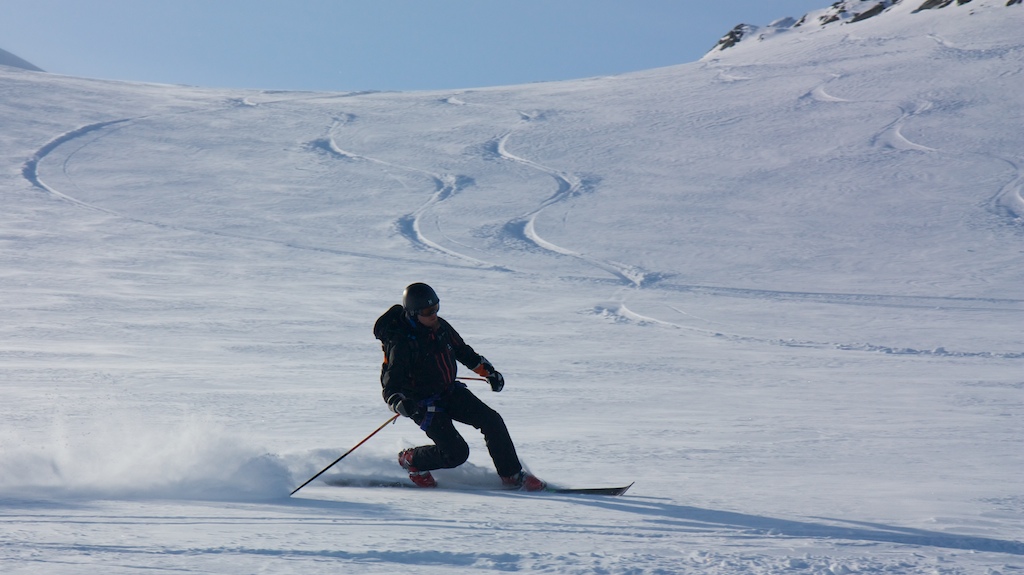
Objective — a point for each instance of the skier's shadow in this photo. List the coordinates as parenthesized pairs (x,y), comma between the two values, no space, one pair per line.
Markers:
(695,518)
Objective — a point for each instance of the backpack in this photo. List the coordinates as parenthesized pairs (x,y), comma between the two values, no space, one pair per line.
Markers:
(391,327)
(390,324)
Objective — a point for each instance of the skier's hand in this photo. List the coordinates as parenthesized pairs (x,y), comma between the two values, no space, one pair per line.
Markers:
(403,406)
(496,380)
(485,369)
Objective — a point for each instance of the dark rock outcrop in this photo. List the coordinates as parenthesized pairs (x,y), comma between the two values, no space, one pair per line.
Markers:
(733,37)
(843,12)
(936,4)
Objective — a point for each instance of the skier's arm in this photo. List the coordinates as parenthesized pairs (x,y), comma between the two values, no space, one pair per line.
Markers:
(394,374)
(478,363)
(463,352)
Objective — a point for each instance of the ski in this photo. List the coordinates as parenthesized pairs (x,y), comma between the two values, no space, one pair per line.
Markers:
(343,482)
(613,491)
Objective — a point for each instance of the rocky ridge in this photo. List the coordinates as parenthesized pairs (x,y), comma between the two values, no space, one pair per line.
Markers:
(839,13)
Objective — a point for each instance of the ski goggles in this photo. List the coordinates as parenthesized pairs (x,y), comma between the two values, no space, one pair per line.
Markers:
(429,311)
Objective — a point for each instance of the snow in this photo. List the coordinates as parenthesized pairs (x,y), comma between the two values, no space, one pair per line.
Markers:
(778,288)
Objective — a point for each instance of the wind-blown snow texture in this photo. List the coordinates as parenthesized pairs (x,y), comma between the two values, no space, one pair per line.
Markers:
(780,288)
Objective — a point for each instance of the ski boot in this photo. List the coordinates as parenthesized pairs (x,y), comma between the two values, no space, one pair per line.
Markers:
(420,478)
(523,481)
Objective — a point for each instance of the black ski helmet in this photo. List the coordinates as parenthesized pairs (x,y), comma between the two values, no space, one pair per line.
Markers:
(418,296)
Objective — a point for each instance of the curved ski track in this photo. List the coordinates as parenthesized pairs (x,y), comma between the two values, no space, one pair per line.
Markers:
(447,186)
(1010,198)
(30,171)
(410,226)
(820,94)
(569,186)
(619,312)
(891,136)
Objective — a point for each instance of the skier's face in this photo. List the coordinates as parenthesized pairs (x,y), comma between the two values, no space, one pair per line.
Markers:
(428,317)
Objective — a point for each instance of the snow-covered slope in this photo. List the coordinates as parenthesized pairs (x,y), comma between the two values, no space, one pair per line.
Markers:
(779,288)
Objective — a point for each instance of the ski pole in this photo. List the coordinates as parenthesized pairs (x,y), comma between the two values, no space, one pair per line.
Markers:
(472,378)
(346,454)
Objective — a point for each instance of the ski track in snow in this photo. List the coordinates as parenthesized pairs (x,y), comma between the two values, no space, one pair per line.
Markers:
(522,228)
(1010,198)
(621,313)
(30,171)
(410,226)
(567,187)
(725,75)
(891,136)
(820,94)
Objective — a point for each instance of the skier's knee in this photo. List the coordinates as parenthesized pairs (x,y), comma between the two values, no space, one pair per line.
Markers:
(456,455)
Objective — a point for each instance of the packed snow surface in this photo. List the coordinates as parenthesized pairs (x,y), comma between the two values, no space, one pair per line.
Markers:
(779,288)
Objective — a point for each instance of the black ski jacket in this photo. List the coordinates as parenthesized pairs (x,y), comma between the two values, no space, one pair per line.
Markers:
(419,362)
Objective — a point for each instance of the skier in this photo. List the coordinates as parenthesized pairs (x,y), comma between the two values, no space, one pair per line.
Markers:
(418,380)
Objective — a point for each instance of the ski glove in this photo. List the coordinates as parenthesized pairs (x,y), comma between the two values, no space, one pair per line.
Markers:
(487,370)
(496,380)
(403,406)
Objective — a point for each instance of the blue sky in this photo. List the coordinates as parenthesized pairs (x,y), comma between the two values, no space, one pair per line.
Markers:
(370,44)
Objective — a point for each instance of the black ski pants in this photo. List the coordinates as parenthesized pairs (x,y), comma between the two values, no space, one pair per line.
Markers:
(450,449)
